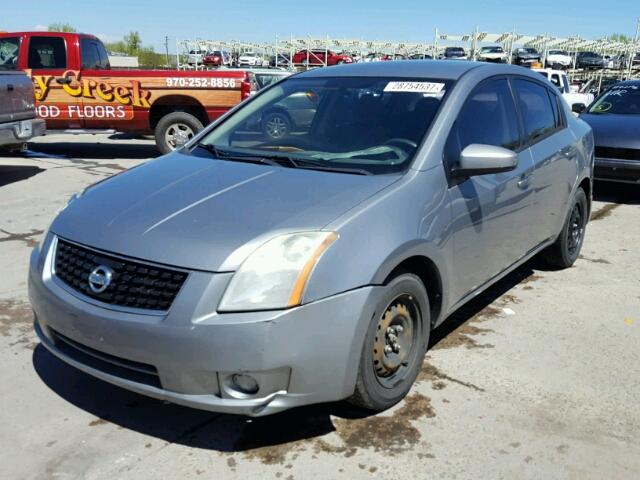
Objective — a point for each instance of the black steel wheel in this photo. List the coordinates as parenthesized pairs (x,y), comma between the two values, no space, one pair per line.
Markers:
(395,344)
(566,249)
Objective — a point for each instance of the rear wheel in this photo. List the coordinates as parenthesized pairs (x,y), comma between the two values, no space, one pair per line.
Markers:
(394,346)
(565,251)
(175,128)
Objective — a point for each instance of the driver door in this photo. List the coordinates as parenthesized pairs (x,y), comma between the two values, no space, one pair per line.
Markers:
(492,214)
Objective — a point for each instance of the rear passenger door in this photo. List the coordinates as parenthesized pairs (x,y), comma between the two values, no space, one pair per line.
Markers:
(552,149)
(492,216)
(47,58)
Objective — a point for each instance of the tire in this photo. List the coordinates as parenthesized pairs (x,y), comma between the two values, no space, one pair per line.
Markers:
(172,123)
(566,249)
(379,386)
(276,125)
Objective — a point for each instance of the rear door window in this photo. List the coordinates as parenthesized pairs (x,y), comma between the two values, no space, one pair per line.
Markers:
(536,109)
(47,52)
(9,47)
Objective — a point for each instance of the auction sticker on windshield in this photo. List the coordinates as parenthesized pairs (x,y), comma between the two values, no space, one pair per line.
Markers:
(415,87)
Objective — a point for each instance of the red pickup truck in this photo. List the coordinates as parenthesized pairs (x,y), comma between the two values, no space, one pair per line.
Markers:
(76,89)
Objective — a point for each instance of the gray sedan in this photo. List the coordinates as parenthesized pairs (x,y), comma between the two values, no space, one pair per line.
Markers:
(249,274)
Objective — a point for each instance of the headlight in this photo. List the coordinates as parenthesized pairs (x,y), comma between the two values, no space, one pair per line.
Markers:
(275,275)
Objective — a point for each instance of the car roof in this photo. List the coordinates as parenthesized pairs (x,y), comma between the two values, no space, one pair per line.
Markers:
(449,70)
(630,82)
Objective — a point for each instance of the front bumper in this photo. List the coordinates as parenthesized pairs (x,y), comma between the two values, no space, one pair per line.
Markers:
(12,133)
(616,170)
(299,356)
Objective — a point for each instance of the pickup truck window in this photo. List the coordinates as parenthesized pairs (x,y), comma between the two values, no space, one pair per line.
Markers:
(47,52)
(9,47)
(94,56)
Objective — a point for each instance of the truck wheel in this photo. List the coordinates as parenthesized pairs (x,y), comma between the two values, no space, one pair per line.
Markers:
(172,125)
(565,251)
(394,346)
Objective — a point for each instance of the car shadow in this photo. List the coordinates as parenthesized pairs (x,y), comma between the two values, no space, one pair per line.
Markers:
(523,274)
(186,426)
(93,150)
(220,432)
(15,173)
(621,193)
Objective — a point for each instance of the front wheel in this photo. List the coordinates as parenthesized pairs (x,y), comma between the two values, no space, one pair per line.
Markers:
(175,129)
(276,126)
(566,249)
(394,346)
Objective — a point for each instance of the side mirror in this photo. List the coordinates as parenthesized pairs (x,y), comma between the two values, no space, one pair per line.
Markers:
(477,159)
(578,108)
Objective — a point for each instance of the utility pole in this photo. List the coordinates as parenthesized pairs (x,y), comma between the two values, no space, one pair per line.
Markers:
(632,53)
(166,48)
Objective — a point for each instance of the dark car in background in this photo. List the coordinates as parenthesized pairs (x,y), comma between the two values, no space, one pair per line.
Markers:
(589,60)
(454,53)
(18,122)
(526,56)
(420,56)
(283,60)
(615,120)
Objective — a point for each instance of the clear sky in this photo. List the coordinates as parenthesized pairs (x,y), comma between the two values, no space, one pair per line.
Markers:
(409,20)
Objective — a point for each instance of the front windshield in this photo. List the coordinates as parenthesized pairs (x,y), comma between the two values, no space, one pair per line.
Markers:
(492,49)
(557,52)
(367,124)
(619,99)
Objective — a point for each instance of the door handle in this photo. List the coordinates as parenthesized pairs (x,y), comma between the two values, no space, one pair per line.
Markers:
(63,80)
(10,87)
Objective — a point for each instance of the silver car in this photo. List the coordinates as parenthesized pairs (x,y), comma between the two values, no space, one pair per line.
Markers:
(249,274)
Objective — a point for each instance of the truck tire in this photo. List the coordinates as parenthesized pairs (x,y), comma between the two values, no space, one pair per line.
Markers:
(175,123)
(394,345)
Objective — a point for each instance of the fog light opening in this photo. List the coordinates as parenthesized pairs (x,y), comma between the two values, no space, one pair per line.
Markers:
(245,383)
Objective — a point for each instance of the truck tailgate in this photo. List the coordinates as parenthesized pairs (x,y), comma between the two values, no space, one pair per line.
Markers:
(16,96)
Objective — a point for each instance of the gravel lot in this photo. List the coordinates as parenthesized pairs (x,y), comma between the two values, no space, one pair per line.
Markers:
(538,378)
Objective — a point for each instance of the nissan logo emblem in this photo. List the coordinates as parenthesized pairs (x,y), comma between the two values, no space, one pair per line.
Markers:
(100,278)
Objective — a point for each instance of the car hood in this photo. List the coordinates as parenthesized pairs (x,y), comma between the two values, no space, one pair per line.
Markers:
(193,212)
(617,131)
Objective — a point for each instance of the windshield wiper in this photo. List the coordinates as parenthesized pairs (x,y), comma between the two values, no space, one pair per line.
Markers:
(311,165)
(280,160)
(237,157)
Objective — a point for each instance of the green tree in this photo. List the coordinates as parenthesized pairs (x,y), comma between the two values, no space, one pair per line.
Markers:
(620,37)
(133,41)
(61,27)
(131,44)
